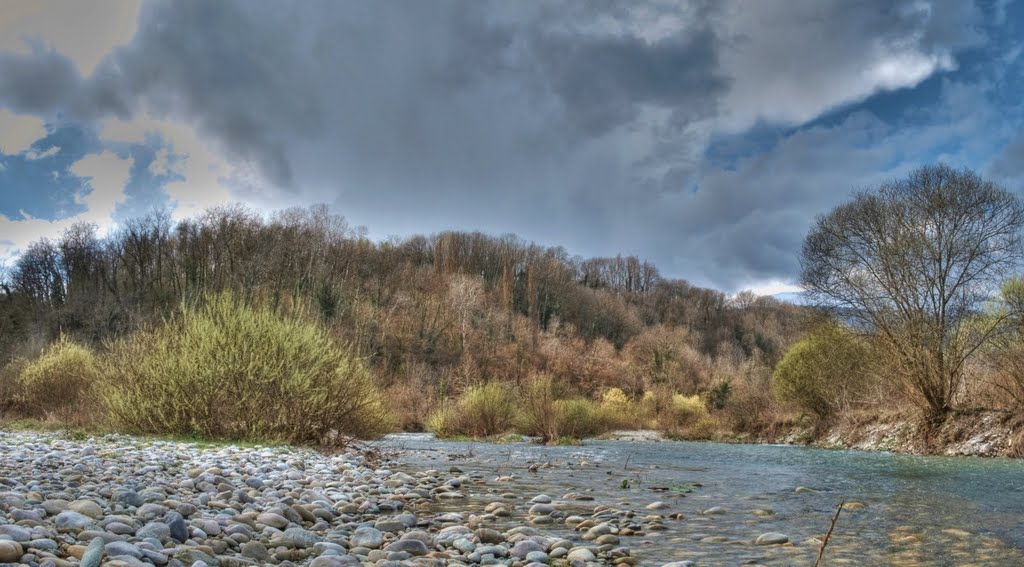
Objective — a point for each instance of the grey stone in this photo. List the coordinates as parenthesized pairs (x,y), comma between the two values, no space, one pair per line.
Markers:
(16,533)
(69,520)
(525,547)
(93,554)
(255,550)
(413,547)
(156,530)
(370,538)
(772,538)
(176,524)
(122,548)
(335,561)
(299,537)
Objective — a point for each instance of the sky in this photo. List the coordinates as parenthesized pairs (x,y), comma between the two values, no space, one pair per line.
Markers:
(704,136)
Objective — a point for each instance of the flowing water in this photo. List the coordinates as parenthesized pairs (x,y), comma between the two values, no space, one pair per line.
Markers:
(916,510)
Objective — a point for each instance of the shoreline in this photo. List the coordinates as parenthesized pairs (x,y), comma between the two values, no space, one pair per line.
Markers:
(983,433)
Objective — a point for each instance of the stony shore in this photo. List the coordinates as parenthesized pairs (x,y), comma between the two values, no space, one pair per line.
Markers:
(123,501)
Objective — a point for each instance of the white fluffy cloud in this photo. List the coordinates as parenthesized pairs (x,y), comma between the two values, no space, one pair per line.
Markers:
(791,63)
(18,132)
(106,175)
(205,173)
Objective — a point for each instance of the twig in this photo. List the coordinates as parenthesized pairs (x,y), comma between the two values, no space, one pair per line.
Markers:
(828,535)
(625,467)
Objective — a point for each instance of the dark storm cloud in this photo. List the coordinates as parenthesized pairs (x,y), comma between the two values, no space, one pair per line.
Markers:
(37,84)
(575,123)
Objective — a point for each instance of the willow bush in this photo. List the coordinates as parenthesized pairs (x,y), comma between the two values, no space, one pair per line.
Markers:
(823,373)
(677,414)
(58,383)
(481,411)
(230,370)
(546,412)
(621,411)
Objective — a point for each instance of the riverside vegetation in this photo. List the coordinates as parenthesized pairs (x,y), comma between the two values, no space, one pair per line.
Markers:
(299,329)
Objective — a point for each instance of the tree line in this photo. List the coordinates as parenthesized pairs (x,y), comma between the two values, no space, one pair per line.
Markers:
(431,314)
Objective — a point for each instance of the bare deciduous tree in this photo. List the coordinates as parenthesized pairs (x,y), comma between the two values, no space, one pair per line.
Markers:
(912,261)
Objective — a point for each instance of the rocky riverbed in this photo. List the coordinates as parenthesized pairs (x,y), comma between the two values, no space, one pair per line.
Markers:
(118,500)
(124,501)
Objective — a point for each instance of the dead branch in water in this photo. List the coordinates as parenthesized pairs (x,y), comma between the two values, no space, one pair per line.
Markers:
(828,534)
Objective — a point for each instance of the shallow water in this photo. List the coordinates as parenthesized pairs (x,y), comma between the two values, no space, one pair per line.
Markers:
(917,510)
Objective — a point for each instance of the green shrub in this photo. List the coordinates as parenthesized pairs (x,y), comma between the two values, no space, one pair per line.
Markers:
(481,411)
(58,384)
(688,416)
(677,414)
(545,415)
(537,416)
(579,418)
(620,411)
(229,370)
(443,422)
(824,372)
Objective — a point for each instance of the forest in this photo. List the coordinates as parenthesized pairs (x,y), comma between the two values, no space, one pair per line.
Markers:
(430,316)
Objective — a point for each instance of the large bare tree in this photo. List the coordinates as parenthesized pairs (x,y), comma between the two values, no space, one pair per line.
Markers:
(912,261)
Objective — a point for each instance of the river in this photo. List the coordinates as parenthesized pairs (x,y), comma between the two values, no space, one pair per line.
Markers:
(915,510)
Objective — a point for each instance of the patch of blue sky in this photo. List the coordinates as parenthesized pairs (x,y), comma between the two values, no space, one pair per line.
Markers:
(44,187)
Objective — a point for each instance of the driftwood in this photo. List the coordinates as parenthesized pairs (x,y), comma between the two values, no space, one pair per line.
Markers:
(828,535)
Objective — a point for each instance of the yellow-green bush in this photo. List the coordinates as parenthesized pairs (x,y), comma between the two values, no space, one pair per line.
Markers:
(59,382)
(481,411)
(579,418)
(230,370)
(546,414)
(689,417)
(538,414)
(824,372)
(444,422)
(620,411)
(678,414)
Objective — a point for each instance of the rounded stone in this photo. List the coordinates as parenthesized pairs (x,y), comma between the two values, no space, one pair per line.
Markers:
(413,547)
(370,538)
(524,548)
(69,520)
(581,554)
(16,533)
(255,550)
(156,530)
(772,538)
(87,508)
(10,551)
(273,520)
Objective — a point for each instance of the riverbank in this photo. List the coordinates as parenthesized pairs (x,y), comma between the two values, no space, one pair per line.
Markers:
(968,433)
(415,500)
(127,501)
(982,433)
